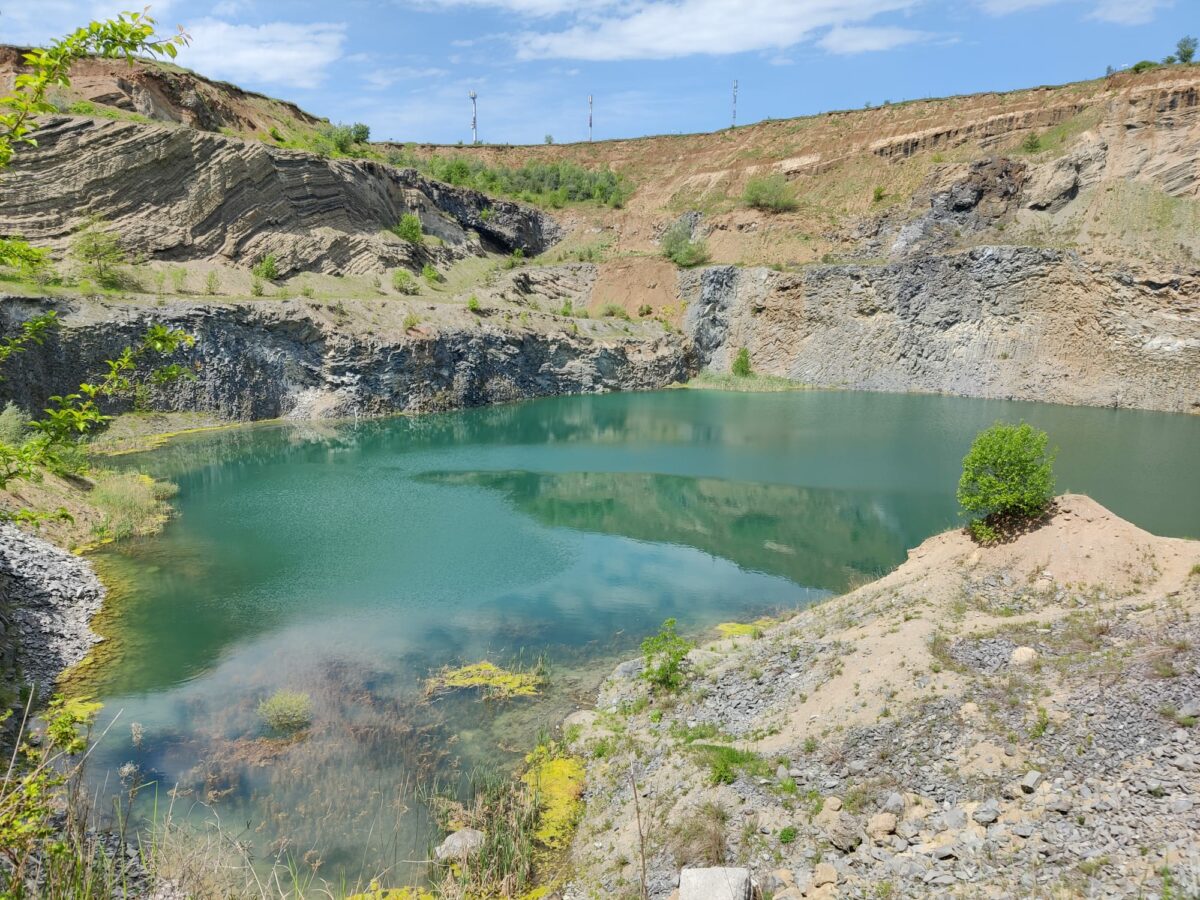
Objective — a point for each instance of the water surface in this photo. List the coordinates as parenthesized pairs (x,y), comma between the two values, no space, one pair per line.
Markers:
(351,561)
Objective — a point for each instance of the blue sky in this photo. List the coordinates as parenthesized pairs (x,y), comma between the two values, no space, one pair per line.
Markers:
(405,66)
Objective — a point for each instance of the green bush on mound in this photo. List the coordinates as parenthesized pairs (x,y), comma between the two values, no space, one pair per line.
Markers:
(1007,480)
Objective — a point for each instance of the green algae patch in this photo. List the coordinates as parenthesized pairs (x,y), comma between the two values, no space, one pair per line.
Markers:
(556,780)
(405,893)
(744,629)
(493,682)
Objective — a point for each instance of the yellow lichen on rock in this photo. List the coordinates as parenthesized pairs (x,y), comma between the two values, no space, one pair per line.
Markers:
(374,892)
(557,782)
(743,629)
(496,683)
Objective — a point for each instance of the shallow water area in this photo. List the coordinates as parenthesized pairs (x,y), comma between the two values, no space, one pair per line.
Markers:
(351,561)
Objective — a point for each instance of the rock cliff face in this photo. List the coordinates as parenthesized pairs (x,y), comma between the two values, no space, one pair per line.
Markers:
(309,360)
(1013,322)
(183,194)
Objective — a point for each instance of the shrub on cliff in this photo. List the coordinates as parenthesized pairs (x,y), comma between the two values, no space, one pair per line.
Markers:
(741,363)
(678,246)
(770,193)
(100,253)
(1007,480)
(409,229)
(266,268)
(404,283)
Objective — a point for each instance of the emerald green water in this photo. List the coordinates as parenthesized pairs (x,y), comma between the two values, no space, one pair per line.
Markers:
(351,561)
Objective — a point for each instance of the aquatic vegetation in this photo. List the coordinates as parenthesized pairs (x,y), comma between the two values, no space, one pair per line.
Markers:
(286,712)
(743,629)
(375,892)
(494,682)
(557,782)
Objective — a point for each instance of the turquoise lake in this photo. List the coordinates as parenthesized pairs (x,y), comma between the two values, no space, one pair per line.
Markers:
(350,561)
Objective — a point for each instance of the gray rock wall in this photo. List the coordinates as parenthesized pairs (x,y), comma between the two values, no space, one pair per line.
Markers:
(1012,322)
(284,359)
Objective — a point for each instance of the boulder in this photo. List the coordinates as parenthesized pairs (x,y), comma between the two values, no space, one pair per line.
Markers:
(843,832)
(824,874)
(462,844)
(1033,778)
(880,825)
(714,884)
(1022,656)
(987,812)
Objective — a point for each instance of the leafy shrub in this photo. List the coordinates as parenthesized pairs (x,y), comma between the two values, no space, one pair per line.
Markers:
(878,194)
(486,214)
(678,246)
(100,253)
(13,424)
(645,310)
(256,286)
(1143,66)
(430,274)
(82,108)
(663,654)
(212,283)
(275,134)
(1032,143)
(1007,479)
(266,268)
(409,228)
(404,283)
(516,258)
(548,183)
(613,311)
(787,834)
(473,303)
(1185,50)
(770,193)
(29,261)
(411,321)
(286,712)
(741,363)
(360,133)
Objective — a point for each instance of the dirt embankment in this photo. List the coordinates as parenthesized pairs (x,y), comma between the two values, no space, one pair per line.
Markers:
(1001,721)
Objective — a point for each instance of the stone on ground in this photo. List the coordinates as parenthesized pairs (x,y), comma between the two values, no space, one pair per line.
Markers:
(714,884)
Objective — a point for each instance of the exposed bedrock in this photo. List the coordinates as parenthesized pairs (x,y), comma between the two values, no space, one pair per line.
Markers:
(182,194)
(297,359)
(1013,322)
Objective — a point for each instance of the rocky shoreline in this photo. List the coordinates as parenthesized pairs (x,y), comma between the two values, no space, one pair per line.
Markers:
(47,599)
(1014,720)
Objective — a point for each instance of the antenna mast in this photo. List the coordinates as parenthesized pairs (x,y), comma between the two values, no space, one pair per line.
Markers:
(474,132)
(734,104)
(589,118)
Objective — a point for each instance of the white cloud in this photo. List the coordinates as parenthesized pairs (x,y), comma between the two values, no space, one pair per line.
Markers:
(539,8)
(661,30)
(385,78)
(1118,12)
(25,22)
(859,39)
(277,53)
(1128,12)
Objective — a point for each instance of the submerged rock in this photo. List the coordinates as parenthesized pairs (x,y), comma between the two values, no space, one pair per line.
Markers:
(460,845)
